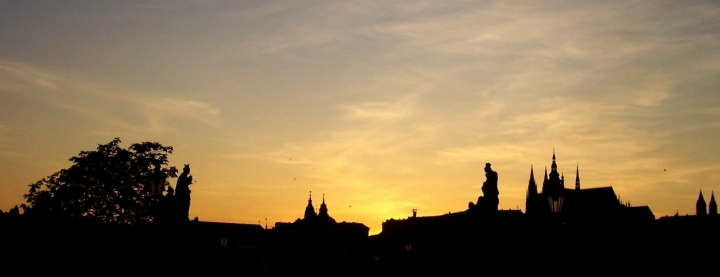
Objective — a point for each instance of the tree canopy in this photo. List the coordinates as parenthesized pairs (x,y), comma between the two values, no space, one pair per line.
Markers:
(108,185)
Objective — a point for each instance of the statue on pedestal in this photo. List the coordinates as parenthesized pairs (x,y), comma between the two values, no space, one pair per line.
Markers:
(182,195)
(489,201)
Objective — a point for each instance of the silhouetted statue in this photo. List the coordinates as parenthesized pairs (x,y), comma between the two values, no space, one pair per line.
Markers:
(489,201)
(489,187)
(168,209)
(182,194)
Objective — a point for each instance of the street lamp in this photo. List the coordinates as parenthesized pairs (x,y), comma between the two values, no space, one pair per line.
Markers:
(157,186)
(556,203)
(157,183)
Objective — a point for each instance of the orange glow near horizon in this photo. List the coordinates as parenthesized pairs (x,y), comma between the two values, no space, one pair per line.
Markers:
(384,107)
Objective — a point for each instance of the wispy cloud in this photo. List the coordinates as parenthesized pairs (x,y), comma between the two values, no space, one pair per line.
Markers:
(17,76)
(399,101)
(93,100)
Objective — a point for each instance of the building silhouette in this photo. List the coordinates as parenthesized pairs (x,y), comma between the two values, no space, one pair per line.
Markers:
(317,244)
(559,223)
(700,206)
(556,203)
(563,229)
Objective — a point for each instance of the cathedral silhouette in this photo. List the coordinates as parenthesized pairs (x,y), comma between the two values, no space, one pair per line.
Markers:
(556,203)
(562,230)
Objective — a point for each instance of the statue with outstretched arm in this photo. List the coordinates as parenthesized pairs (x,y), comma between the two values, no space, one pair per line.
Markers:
(182,194)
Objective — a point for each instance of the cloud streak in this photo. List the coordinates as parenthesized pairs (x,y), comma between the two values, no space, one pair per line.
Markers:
(93,100)
(405,101)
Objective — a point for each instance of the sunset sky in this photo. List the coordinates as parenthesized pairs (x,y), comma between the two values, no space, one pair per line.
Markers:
(383,106)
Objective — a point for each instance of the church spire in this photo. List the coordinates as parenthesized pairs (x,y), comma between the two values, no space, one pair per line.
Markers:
(700,206)
(713,205)
(555,184)
(532,187)
(310,209)
(532,191)
(323,208)
(545,181)
(577,177)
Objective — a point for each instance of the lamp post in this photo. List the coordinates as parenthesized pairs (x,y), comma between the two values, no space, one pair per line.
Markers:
(556,203)
(157,183)
(157,186)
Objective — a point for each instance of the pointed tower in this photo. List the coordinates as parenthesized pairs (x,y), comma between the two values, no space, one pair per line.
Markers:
(577,177)
(701,206)
(545,182)
(531,192)
(532,187)
(554,184)
(713,205)
(310,210)
(562,180)
(323,209)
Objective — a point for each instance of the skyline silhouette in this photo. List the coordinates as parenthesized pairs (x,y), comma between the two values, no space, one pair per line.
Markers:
(585,227)
(103,171)
(384,107)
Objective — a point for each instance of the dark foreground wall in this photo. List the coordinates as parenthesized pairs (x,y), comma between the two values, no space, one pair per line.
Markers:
(661,247)
(81,248)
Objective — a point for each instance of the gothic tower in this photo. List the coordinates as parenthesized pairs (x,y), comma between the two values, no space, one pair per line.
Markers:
(713,205)
(701,206)
(545,182)
(554,184)
(577,178)
(531,192)
(532,187)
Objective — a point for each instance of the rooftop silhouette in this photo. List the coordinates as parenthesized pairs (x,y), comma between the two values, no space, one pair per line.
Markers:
(556,222)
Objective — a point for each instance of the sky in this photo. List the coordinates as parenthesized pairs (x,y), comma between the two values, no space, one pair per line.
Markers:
(382,106)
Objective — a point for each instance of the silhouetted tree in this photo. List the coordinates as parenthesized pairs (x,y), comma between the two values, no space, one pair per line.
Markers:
(15,211)
(108,185)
